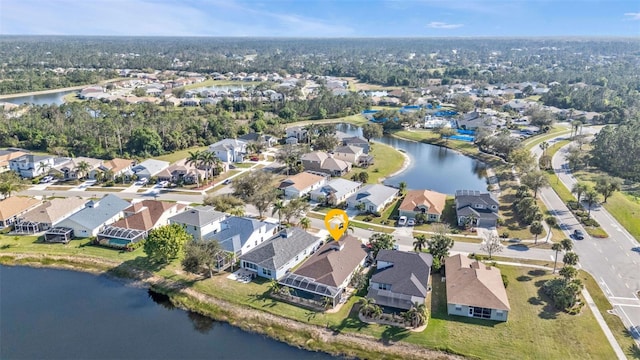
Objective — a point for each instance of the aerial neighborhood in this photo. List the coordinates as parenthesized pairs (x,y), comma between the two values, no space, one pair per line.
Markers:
(467,201)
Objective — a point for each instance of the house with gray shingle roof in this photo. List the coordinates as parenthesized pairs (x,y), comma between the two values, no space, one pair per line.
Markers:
(97,214)
(400,279)
(199,221)
(336,191)
(483,207)
(375,197)
(149,168)
(30,166)
(238,235)
(278,254)
(229,150)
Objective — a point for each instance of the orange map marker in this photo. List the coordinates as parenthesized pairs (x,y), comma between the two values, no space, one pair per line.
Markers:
(336,223)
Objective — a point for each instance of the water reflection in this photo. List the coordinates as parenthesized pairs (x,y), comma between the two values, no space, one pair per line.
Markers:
(161,299)
(202,324)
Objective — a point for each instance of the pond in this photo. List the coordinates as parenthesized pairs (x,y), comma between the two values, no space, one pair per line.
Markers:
(432,167)
(59,314)
(56,98)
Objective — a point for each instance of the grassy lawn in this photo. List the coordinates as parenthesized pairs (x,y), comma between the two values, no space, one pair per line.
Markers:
(243,165)
(615,324)
(387,216)
(104,189)
(430,137)
(626,209)
(59,187)
(535,140)
(179,155)
(387,161)
(355,119)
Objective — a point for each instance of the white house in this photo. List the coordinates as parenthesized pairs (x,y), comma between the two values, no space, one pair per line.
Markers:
(30,166)
(200,221)
(336,191)
(239,235)
(229,150)
(90,220)
(375,197)
(301,184)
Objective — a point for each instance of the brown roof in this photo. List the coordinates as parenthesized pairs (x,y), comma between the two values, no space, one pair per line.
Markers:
(116,165)
(473,283)
(54,210)
(15,205)
(146,214)
(301,181)
(5,158)
(332,267)
(335,164)
(434,201)
(315,156)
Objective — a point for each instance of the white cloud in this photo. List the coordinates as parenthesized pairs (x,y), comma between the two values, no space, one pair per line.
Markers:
(443,25)
(633,16)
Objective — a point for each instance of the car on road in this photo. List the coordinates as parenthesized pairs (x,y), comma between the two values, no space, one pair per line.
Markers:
(226,182)
(46,179)
(411,222)
(636,249)
(578,234)
(402,221)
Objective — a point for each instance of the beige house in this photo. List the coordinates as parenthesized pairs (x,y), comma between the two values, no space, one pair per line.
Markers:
(322,162)
(348,153)
(13,207)
(426,202)
(49,214)
(475,289)
(301,184)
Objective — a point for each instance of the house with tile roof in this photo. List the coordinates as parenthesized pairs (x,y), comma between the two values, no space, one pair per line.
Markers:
(327,272)
(95,216)
(336,191)
(70,170)
(475,289)
(301,184)
(278,254)
(117,166)
(482,207)
(139,218)
(48,214)
(230,150)
(375,198)
(401,278)
(426,202)
(13,207)
(199,221)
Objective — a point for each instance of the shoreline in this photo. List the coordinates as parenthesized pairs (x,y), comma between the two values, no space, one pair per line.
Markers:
(53,91)
(405,164)
(305,336)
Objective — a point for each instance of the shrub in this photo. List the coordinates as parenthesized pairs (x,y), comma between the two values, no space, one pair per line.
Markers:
(551,221)
(109,183)
(367,218)
(505,235)
(505,280)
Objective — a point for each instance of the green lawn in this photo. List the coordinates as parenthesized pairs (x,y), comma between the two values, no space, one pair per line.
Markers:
(387,161)
(535,140)
(626,209)
(179,155)
(430,137)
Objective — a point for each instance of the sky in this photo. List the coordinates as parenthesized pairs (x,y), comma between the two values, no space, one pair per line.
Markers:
(322,18)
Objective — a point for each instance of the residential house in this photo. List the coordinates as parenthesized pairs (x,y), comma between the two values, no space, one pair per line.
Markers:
(401,278)
(336,191)
(375,197)
(13,207)
(149,168)
(31,166)
(426,202)
(268,140)
(357,141)
(182,172)
(298,132)
(139,218)
(238,235)
(70,170)
(348,153)
(199,221)
(475,289)
(322,162)
(6,156)
(277,255)
(117,167)
(48,214)
(328,271)
(229,150)
(96,215)
(472,204)
(301,184)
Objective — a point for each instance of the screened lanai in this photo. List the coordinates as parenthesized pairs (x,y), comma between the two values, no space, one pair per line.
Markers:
(118,237)
(58,234)
(308,288)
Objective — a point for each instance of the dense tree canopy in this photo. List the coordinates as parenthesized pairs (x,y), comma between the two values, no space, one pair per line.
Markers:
(616,150)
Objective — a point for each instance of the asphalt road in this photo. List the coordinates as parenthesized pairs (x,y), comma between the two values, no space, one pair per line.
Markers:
(611,261)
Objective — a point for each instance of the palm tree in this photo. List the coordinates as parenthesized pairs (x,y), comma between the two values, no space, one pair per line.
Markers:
(570,258)
(579,188)
(420,243)
(557,247)
(278,207)
(8,188)
(567,245)
(367,306)
(274,287)
(82,169)
(194,159)
(544,146)
(108,175)
(536,229)
(403,187)
(43,167)
(568,272)
(207,161)
(417,315)
(305,223)
(591,197)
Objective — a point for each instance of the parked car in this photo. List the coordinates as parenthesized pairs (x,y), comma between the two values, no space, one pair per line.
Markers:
(46,179)
(411,222)
(226,182)
(142,181)
(578,234)
(163,183)
(402,221)
(636,249)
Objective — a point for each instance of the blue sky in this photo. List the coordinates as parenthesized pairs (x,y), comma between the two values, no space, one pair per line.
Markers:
(322,18)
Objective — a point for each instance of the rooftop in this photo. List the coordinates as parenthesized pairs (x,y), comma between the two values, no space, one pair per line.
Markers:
(473,283)
(434,201)
(198,216)
(280,249)
(301,181)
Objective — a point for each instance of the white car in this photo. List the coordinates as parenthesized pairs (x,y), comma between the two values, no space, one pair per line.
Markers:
(402,221)
(163,183)
(46,179)
(142,181)
(411,222)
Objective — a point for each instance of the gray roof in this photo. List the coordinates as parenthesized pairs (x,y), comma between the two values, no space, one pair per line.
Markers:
(237,230)
(151,166)
(471,197)
(227,144)
(348,149)
(280,249)
(375,193)
(98,212)
(30,158)
(409,273)
(198,216)
(337,186)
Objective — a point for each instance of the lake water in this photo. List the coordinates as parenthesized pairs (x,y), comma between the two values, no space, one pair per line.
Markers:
(43,99)
(58,314)
(432,167)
